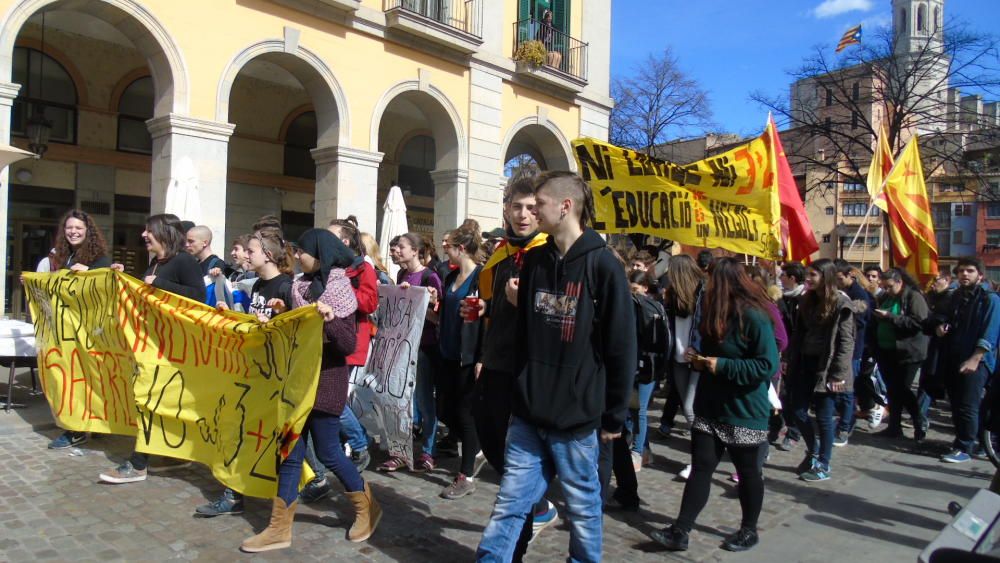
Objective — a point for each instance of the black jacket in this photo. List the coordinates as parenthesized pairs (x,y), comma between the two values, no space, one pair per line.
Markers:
(576,349)
(180,275)
(911,340)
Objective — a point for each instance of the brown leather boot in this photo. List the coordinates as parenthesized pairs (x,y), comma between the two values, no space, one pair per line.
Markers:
(367,514)
(278,534)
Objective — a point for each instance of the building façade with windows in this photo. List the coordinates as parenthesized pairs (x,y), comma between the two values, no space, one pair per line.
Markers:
(306,109)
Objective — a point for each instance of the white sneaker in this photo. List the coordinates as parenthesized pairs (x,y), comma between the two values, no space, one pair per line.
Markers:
(685,473)
(875,417)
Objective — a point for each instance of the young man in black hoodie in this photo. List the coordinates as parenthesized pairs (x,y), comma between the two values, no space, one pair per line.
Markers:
(575,363)
(496,376)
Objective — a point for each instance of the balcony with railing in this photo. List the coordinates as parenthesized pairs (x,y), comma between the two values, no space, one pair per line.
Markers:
(455,24)
(564,63)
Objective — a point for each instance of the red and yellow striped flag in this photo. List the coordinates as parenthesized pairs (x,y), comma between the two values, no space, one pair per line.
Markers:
(851,37)
(909,209)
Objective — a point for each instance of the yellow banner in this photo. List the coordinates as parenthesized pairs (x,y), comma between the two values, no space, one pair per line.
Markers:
(729,200)
(119,356)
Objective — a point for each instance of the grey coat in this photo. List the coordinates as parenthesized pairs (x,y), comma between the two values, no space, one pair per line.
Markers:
(835,361)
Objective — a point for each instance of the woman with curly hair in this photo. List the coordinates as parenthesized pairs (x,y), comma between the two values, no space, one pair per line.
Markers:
(79,247)
(80,244)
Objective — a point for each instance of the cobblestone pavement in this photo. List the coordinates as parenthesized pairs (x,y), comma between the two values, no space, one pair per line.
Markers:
(885,502)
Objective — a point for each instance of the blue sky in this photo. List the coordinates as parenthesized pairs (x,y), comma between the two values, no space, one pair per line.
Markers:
(733,48)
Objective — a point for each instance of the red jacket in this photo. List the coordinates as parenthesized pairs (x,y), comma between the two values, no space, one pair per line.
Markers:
(365,286)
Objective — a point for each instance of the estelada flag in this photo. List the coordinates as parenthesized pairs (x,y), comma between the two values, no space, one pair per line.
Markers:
(910,224)
(851,37)
(798,237)
(879,168)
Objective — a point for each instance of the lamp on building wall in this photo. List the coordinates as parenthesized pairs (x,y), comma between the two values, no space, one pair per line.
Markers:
(39,128)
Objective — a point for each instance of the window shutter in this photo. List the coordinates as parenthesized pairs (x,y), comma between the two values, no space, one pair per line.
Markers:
(560,15)
(523,9)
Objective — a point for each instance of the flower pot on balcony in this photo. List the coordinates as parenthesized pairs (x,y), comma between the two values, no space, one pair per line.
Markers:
(525,67)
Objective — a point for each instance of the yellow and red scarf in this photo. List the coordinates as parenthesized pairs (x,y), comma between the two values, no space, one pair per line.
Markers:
(501,253)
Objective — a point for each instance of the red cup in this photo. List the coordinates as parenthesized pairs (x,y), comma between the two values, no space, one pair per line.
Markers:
(471,309)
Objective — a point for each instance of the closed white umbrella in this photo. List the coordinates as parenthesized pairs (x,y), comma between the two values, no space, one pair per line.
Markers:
(393,225)
(10,155)
(183,198)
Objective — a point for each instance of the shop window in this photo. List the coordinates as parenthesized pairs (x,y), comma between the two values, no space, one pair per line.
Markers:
(44,83)
(135,107)
(300,139)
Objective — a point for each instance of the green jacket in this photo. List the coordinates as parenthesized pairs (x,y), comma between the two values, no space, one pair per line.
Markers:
(737,392)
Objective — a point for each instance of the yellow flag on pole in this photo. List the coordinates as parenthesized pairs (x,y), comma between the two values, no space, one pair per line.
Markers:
(909,210)
(879,168)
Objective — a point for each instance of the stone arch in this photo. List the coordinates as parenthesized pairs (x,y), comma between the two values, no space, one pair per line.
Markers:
(545,138)
(316,77)
(441,112)
(146,32)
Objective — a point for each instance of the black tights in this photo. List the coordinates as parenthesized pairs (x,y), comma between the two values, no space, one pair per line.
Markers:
(706,452)
(455,403)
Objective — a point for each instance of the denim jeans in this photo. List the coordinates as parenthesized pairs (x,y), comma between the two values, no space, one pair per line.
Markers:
(966,393)
(352,431)
(845,403)
(424,398)
(640,422)
(534,456)
(324,429)
(824,404)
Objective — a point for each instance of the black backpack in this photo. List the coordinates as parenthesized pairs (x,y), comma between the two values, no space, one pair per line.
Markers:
(652,336)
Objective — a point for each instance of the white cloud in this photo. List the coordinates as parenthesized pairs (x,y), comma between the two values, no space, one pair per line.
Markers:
(836,7)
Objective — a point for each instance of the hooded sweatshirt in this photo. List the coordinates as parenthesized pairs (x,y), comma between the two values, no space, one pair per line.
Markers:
(576,350)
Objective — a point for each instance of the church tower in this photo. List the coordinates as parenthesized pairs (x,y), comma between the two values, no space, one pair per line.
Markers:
(917,24)
(918,28)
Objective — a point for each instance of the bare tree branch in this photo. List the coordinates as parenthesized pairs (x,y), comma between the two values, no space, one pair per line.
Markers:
(838,104)
(656,102)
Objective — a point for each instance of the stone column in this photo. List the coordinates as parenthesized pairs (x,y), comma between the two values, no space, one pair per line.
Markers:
(346,184)
(450,205)
(485,138)
(182,144)
(8,92)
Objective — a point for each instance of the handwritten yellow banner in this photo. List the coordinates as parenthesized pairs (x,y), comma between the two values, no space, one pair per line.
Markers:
(119,356)
(729,200)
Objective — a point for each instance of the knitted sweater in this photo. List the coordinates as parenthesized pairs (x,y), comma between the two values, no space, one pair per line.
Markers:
(339,340)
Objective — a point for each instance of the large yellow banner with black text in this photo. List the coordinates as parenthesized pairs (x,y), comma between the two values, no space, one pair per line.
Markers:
(119,356)
(729,200)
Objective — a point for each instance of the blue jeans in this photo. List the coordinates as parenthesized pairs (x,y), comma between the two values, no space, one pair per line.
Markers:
(352,431)
(966,394)
(533,457)
(640,422)
(845,403)
(824,405)
(424,402)
(324,429)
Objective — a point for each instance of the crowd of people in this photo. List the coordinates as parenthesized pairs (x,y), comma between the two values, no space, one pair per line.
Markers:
(543,349)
